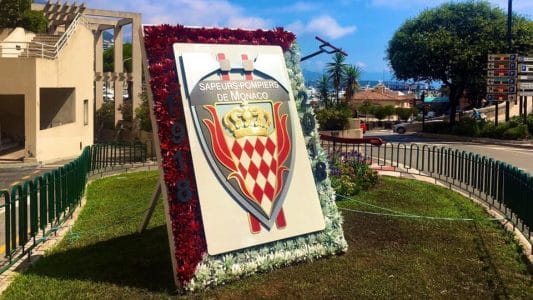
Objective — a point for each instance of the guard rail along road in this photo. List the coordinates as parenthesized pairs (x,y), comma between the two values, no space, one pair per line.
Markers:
(36,209)
(501,186)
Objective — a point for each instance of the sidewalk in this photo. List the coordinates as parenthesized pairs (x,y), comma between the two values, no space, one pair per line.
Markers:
(526,144)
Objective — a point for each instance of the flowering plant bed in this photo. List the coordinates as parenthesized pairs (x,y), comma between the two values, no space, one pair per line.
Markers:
(351,173)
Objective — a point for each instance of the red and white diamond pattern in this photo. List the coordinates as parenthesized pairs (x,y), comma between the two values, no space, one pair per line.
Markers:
(255,158)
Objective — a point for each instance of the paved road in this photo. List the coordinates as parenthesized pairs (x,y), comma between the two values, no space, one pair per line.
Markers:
(516,156)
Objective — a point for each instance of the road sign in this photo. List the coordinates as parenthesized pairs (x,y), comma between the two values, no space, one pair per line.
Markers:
(525,77)
(501,73)
(501,80)
(504,65)
(520,93)
(502,57)
(501,77)
(525,59)
(525,86)
(525,68)
(501,97)
(501,89)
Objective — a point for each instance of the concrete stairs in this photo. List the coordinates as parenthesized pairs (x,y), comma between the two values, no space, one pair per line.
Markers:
(36,48)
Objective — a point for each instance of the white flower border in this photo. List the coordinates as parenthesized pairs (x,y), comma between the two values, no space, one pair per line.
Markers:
(219,269)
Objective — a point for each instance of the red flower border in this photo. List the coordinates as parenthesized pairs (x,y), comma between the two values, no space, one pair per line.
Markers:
(187,225)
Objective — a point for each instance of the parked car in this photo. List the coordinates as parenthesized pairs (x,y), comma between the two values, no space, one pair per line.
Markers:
(402,128)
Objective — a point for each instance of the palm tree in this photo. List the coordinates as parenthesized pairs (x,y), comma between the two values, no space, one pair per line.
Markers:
(351,81)
(323,89)
(336,71)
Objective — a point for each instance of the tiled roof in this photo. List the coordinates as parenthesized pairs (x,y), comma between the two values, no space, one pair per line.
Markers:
(378,94)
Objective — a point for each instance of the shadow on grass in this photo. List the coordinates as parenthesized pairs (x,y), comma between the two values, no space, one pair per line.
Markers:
(135,260)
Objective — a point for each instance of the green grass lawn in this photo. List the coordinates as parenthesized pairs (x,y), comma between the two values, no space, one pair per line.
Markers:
(388,257)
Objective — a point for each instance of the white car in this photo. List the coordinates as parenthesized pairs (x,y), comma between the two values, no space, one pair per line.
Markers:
(402,128)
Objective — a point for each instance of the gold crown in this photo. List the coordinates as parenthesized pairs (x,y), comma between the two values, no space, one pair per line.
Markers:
(248,121)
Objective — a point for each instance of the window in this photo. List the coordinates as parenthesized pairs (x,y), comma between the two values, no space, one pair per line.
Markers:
(86,112)
(57,107)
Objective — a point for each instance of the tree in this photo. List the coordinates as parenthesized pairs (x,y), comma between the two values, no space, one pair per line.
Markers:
(351,81)
(142,113)
(11,12)
(323,90)
(388,110)
(450,44)
(337,71)
(404,113)
(18,13)
(366,108)
(109,60)
(380,112)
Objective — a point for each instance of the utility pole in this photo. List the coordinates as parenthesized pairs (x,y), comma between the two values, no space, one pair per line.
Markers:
(509,45)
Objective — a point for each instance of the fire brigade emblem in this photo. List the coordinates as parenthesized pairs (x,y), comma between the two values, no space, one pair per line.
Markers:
(243,122)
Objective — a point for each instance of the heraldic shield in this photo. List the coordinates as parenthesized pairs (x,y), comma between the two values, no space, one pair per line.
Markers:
(243,123)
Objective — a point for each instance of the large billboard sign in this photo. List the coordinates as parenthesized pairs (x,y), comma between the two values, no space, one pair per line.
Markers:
(254,179)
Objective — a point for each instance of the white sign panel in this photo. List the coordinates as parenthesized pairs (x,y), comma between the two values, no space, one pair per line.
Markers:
(525,68)
(252,169)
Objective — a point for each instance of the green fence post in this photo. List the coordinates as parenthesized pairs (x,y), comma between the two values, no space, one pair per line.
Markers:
(57,191)
(23,215)
(7,221)
(34,210)
(43,204)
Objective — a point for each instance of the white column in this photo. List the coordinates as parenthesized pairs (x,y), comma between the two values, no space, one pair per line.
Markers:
(136,62)
(119,68)
(99,68)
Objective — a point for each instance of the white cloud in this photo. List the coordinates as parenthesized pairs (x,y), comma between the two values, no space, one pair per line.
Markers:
(300,6)
(360,64)
(248,23)
(187,12)
(323,25)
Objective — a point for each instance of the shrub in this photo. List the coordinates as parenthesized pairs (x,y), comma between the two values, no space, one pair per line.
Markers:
(438,127)
(350,174)
(34,21)
(492,131)
(403,113)
(382,112)
(105,116)
(514,133)
(467,127)
(333,118)
(530,123)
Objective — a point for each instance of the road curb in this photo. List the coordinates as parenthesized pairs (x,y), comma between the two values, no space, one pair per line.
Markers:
(454,138)
(19,165)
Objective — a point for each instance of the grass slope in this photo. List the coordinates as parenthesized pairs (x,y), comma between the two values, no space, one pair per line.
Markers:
(388,257)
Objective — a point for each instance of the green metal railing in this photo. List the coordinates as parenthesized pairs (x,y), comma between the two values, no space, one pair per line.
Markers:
(35,210)
(110,155)
(500,185)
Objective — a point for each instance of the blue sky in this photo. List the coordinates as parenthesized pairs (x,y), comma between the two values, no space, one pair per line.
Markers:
(361,27)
